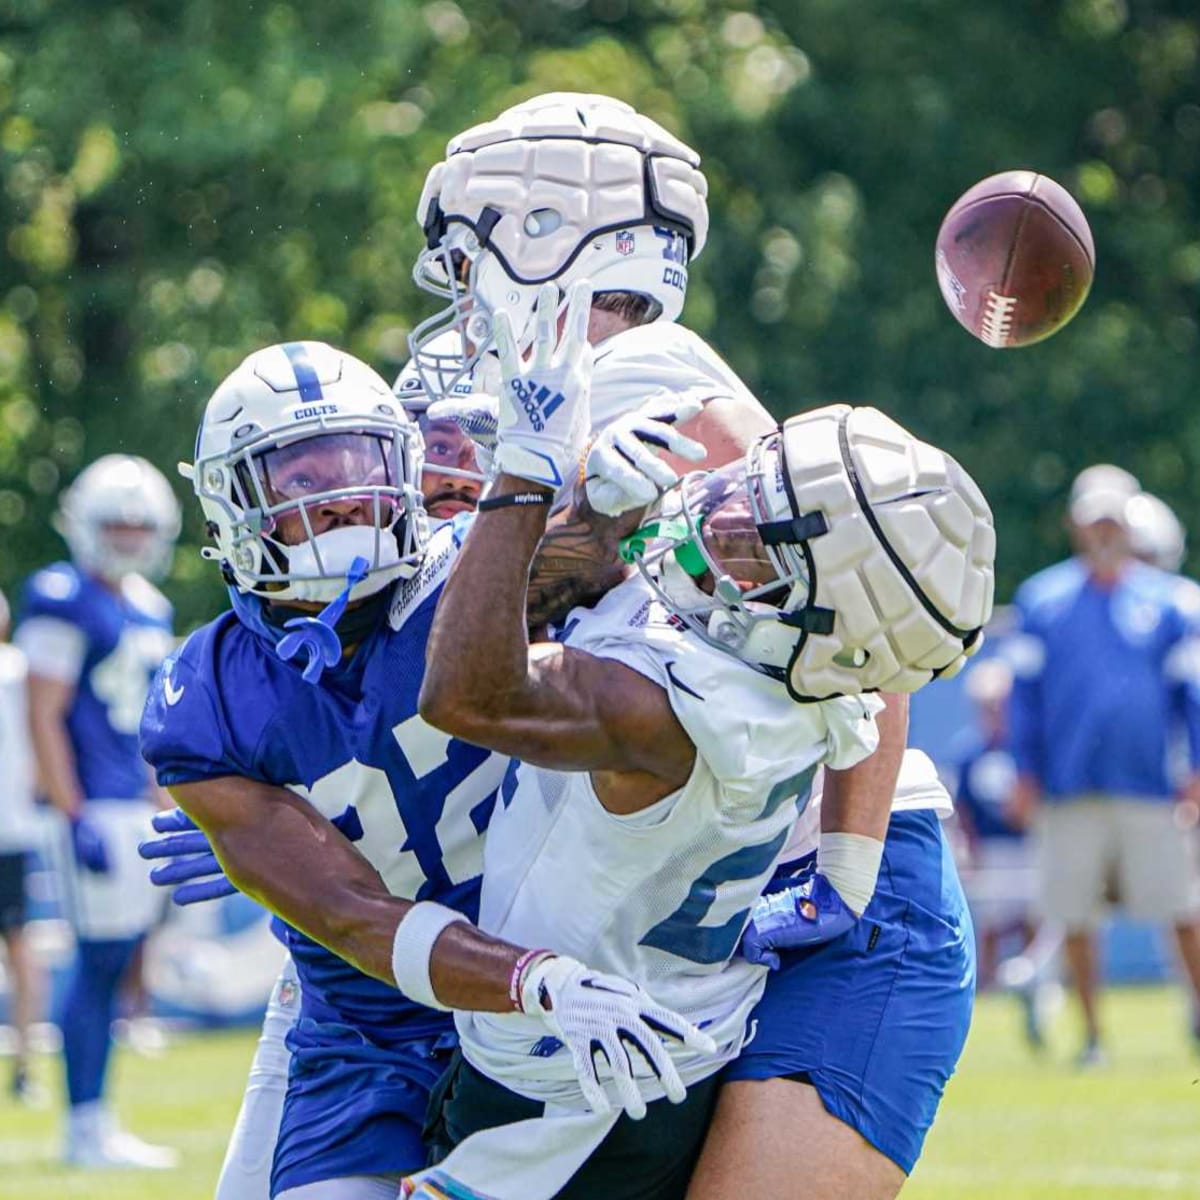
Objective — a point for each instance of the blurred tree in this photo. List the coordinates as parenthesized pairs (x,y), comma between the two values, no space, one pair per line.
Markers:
(180,184)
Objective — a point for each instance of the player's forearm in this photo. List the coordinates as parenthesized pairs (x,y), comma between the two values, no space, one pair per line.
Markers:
(577,561)
(281,852)
(57,774)
(477,659)
(858,800)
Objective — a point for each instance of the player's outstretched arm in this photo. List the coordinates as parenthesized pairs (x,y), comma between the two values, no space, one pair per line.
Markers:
(856,805)
(277,848)
(543,703)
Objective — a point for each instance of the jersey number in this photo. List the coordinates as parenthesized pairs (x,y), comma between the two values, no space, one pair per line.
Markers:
(682,933)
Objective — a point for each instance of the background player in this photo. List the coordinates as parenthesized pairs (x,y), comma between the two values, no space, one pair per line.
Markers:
(94,631)
(17,840)
(1105,669)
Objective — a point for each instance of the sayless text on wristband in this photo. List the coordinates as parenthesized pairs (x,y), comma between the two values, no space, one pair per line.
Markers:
(515,500)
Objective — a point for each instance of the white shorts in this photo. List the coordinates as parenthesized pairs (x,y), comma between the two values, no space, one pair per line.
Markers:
(1000,882)
(121,902)
(1096,848)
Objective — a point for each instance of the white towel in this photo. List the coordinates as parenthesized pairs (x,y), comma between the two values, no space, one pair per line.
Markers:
(527,1160)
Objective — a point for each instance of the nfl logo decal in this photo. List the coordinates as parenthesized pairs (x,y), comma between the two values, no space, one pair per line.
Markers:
(625,242)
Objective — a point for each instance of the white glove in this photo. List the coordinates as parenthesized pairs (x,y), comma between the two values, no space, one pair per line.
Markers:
(477,415)
(544,409)
(624,471)
(595,1014)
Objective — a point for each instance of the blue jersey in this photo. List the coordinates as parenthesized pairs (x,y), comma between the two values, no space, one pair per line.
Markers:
(414,801)
(986,778)
(109,642)
(1101,677)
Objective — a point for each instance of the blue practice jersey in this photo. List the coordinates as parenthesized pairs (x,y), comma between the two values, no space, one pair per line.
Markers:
(1102,676)
(108,643)
(414,801)
(987,776)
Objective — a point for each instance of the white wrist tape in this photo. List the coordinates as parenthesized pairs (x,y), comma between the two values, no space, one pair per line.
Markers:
(412,946)
(850,861)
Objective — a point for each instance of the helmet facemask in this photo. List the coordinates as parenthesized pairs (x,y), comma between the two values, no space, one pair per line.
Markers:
(881,552)
(708,559)
(296,502)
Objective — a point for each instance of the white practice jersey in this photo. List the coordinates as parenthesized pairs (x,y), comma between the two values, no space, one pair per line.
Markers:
(18,823)
(660,897)
(632,365)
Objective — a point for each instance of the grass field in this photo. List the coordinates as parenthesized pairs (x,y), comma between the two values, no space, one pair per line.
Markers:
(1013,1127)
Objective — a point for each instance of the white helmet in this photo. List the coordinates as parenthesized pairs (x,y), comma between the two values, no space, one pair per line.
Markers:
(565,186)
(295,427)
(120,518)
(878,549)
(1155,534)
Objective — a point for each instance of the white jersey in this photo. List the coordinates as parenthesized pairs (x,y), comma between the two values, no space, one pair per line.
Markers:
(917,786)
(18,823)
(632,365)
(660,897)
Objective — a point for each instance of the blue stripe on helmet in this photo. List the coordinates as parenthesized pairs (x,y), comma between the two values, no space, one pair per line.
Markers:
(307,379)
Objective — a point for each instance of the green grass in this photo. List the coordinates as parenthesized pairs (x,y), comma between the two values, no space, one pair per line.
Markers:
(1012,1127)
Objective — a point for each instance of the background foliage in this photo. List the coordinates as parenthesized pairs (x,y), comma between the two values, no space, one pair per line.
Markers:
(180,184)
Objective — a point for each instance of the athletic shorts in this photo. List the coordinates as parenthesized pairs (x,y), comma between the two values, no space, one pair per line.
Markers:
(354,1107)
(120,903)
(1089,843)
(876,1019)
(13,869)
(650,1159)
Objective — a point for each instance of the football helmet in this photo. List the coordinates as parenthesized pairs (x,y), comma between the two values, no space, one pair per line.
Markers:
(443,439)
(565,186)
(119,517)
(842,556)
(1155,533)
(295,447)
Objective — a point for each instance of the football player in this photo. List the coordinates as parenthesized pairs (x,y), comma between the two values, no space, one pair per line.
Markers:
(18,837)
(94,630)
(505,211)
(668,737)
(288,730)
(450,484)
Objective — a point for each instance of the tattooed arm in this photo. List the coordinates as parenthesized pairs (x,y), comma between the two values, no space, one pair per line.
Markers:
(578,560)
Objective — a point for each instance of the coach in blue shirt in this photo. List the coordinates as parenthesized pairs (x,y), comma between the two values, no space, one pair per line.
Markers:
(1107,674)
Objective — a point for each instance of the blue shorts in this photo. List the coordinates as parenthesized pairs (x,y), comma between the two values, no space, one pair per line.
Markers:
(354,1107)
(876,1019)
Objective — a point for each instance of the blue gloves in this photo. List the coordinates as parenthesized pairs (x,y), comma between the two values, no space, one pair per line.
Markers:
(805,914)
(193,865)
(88,843)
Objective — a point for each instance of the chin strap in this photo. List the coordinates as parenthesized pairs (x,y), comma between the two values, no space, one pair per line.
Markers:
(317,636)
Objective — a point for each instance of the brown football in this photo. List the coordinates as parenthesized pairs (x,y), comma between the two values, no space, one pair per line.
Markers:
(1015,258)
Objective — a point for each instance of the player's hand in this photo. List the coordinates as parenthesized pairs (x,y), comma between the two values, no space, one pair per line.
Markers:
(604,1020)
(88,844)
(544,408)
(192,863)
(805,914)
(624,470)
(478,416)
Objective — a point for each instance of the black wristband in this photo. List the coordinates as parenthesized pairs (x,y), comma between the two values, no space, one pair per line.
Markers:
(514,500)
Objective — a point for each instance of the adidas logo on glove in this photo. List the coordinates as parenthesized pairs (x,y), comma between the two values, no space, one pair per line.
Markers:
(537,402)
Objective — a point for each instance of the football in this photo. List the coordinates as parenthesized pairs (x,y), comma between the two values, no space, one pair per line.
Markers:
(1015,258)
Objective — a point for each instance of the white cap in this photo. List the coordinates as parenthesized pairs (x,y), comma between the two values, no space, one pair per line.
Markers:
(1104,477)
(1100,493)
(1155,532)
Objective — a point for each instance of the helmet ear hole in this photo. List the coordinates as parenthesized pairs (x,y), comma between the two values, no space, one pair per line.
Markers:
(542,222)
(853,658)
